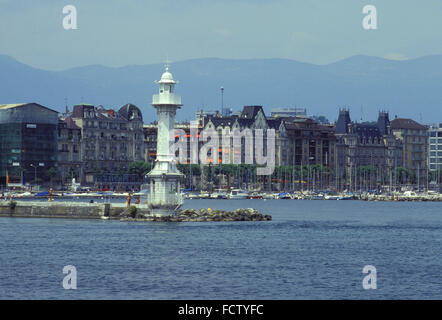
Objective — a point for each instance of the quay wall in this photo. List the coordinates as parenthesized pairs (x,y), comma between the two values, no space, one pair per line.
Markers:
(121,212)
(61,210)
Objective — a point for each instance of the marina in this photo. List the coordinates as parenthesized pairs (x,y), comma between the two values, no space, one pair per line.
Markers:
(141,197)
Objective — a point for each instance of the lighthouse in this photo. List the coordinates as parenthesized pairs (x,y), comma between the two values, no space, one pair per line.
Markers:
(165,193)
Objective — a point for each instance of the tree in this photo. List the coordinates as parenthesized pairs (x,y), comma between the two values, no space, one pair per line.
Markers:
(51,173)
(140,168)
(72,173)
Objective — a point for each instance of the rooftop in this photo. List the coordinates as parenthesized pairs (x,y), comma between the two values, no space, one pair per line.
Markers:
(10,106)
(18,105)
(403,123)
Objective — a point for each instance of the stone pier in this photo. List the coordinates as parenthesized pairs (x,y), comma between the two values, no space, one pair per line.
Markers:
(75,210)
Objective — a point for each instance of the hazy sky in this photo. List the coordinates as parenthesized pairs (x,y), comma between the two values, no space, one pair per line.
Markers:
(123,32)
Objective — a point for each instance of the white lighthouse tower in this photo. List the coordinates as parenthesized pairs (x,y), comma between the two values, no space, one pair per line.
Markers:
(165,192)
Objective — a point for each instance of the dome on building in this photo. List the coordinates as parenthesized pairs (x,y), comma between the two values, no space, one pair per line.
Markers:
(130,112)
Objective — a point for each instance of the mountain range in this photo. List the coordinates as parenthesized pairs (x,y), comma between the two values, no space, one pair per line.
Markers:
(364,84)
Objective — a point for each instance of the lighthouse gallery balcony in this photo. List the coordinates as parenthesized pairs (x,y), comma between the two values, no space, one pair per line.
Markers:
(166,98)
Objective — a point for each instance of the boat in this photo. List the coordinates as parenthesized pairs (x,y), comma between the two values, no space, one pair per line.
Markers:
(255,195)
(238,194)
(219,194)
(346,196)
(192,196)
(205,195)
(42,194)
(332,197)
(284,196)
(318,197)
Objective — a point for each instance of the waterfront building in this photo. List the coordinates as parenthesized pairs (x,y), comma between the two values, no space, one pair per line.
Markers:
(150,139)
(150,132)
(253,118)
(414,137)
(289,112)
(367,153)
(310,143)
(69,150)
(435,147)
(110,141)
(298,142)
(28,142)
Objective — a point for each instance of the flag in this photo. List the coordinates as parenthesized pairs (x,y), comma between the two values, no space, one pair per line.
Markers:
(7,178)
(23,182)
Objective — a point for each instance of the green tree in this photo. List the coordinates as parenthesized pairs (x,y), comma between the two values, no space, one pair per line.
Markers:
(72,173)
(140,168)
(51,173)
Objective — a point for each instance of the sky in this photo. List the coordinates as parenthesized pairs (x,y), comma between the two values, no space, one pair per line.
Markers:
(127,32)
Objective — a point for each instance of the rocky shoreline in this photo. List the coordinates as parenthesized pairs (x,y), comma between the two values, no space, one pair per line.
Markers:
(202,215)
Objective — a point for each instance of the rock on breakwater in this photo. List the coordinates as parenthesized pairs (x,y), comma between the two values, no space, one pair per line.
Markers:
(203,215)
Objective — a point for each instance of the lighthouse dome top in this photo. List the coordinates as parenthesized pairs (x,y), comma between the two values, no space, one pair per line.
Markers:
(167,77)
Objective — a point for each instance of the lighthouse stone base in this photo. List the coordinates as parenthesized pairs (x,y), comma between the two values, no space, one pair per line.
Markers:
(165,193)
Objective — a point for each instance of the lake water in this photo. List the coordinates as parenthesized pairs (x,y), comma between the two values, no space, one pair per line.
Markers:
(311,250)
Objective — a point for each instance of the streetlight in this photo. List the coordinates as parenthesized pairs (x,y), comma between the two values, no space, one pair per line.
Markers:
(222,101)
(35,171)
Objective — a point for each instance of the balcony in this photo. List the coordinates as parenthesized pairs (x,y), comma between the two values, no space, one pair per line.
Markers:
(166,98)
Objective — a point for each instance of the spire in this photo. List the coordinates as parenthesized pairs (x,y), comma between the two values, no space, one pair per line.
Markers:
(343,121)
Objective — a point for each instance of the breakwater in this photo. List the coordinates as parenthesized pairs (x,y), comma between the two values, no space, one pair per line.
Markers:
(400,197)
(121,212)
(203,215)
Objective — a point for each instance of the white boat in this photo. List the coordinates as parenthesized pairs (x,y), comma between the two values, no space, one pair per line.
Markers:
(192,196)
(218,195)
(238,194)
(332,197)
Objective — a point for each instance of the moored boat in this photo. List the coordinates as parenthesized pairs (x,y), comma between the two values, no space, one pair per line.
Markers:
(237,194)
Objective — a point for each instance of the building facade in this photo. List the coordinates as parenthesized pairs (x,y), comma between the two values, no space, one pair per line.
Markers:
(298,142)
(435,147)
(69,150)
(414,138)
(366,153)
(28,142)
(288,112)
(109,141)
